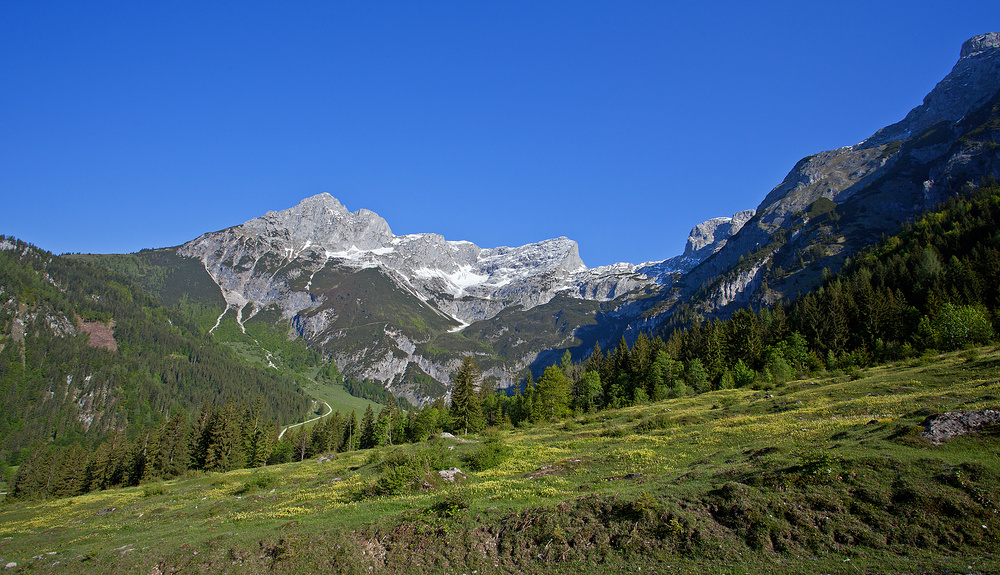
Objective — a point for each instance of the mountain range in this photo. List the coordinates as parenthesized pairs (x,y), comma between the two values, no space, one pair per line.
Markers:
(403,310)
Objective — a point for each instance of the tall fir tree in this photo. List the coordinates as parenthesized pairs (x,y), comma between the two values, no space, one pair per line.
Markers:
(553,393)
(367,439)
(466,405)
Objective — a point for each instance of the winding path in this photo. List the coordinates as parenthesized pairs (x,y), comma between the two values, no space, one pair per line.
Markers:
(329,410)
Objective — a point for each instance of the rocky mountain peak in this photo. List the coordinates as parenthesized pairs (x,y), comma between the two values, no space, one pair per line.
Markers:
(321,220)
(977,44)
(709,236)
(903,169)
(974,79)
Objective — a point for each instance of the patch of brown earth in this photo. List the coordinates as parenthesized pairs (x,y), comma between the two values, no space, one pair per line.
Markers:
(101,335)
(557,468)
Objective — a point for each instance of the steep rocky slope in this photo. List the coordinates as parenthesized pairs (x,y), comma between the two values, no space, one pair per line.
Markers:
(836,202)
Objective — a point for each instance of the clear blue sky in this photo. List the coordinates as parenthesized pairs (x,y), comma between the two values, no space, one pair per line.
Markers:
(618,124)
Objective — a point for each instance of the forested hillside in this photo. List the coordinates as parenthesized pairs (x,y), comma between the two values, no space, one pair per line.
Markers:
(88,358)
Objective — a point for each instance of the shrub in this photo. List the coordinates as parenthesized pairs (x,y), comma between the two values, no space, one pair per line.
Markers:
(257,481)
(955,326)
(451,504)
(153,490)
(394,479)
(493,452)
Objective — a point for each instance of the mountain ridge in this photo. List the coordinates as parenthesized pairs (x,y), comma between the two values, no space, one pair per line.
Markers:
(301,262)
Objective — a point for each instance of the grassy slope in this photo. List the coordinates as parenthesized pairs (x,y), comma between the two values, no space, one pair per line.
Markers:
(337,396)
(822,475)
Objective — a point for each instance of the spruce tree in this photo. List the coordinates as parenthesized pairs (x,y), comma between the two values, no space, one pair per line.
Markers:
(367,440)
(466,406)
(350,434)
(553,393)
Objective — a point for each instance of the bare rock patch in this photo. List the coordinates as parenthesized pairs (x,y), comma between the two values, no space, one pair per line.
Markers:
(944,426)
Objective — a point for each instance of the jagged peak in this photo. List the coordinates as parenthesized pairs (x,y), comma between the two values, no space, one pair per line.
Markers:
(704,234)
(977,44)
(973,80)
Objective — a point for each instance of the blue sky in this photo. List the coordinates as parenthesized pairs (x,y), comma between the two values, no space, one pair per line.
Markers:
(618,124)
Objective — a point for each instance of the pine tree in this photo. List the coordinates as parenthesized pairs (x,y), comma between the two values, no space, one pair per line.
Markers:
(349,440)
(367,440)
(553,393)
(569,369)
(596,360)
(170,453)
(72,472)
(466,406)
(225,440)
(384,425)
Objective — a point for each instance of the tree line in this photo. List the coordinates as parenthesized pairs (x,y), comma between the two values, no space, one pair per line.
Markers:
(231,436)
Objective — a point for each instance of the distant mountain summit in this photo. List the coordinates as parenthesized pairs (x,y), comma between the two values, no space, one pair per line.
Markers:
(325,270)
(258,262)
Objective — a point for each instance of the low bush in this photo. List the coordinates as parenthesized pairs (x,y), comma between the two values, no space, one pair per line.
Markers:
(153,489)
(257,481)
(493,452)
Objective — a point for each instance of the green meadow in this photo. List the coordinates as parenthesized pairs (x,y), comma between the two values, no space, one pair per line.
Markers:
(821,475)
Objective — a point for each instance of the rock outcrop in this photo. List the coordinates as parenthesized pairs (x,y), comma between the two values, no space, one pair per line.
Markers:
(944,426)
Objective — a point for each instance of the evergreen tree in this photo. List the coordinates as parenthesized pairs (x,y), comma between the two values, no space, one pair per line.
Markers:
(350,434)
(553,393)
(596,360)
(367,439)
(260,443)
(466,409)
(224,450)
(72,472)
(170,454)
(384,425)
(589,391)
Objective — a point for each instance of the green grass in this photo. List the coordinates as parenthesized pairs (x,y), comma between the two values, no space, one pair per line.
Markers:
(259,341)
(824,475)
(335,395)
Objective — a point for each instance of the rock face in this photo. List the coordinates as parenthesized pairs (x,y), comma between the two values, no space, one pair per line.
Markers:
(704,240)
(321,232)
(254,263)
(974,79)
(839,174)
